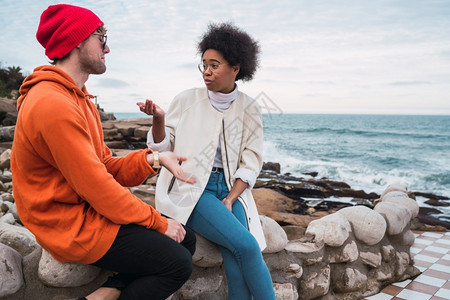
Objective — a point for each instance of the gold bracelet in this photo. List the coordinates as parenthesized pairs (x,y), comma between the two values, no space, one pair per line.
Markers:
(156,164)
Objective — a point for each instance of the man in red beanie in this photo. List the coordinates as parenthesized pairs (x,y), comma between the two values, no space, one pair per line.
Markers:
(69,190)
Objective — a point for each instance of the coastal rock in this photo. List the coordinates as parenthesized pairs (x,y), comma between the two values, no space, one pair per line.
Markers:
(8,111)
(7,196)
(285,291)
(280,208)
(8,218)
(11,276)
(206,287)
(396,215)
(346,253)
(272,166)
(307,263)
(426,220)
(7,133)
(295,269)
(316,281)
(394,187)
(18,238)
(57,274)
(349,279)
(141,132)
(332,229)
(405,238)
(206,254)
(309,252)
(5,159)
(367,225)
(371,258)
(387,253)
(383,273)
(397,194)
(405,201)
(276,238)
(294,232)
(126,134)
(403,261)
(126,129)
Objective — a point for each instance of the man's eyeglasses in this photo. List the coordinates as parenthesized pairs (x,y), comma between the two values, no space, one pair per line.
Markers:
(103,38)
(214,67)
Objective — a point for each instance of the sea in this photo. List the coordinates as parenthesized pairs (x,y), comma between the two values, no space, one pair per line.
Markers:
(368,152)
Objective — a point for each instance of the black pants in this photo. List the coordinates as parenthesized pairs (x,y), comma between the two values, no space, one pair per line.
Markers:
(150,265)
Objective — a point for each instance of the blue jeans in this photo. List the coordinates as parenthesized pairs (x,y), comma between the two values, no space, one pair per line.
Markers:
(246,271)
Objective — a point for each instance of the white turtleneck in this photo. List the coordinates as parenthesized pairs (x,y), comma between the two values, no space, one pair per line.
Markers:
(221,101)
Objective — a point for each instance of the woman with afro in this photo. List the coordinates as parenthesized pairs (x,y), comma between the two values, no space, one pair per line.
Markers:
(219,130)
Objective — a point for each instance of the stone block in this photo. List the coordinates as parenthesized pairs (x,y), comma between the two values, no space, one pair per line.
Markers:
(141,132)
(207,254)
(346,253)
(11,275)
(315,282)
(309,252)
(70,274)
(276,238)
(18,238)
(367,225)
(285,291)
(394,187)
(349,279)
(396,215)
(332,229)
(409,203)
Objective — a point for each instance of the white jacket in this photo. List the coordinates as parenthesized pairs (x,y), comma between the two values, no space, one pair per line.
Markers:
(195,127)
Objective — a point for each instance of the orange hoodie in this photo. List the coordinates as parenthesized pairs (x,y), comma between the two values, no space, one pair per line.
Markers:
(69,190)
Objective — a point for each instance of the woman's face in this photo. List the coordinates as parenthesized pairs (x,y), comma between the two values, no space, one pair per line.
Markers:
(218,75)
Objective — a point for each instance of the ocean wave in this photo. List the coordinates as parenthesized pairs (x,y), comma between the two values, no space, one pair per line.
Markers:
(370,176)
(369,133)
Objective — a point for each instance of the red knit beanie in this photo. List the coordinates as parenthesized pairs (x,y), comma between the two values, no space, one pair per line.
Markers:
(63,27)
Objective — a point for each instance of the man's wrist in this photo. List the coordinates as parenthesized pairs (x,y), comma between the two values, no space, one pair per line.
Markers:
(156,163)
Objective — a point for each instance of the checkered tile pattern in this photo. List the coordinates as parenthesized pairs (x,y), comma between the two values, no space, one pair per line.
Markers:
(431,251)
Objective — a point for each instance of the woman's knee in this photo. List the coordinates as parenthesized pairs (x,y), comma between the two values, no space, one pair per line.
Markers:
(248,247)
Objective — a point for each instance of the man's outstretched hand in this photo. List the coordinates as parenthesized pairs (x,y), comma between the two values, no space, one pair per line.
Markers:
(172,162)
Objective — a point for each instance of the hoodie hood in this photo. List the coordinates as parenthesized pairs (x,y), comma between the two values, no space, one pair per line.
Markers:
(50,74)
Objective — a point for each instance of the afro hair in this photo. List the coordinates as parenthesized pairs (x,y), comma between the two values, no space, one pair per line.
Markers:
(236,46)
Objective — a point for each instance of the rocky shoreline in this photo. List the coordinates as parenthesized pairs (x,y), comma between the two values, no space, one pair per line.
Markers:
(123,136)
(317,247)
(322,189)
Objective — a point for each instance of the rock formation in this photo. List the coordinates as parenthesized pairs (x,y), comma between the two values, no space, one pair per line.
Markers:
(349,254)
(315,248)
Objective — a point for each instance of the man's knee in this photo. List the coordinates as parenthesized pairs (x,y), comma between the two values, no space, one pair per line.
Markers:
(184,266)
(190,241)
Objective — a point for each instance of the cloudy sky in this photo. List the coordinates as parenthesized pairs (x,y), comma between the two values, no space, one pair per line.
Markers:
(335,56)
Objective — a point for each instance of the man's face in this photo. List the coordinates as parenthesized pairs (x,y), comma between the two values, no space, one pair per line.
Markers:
(92,53)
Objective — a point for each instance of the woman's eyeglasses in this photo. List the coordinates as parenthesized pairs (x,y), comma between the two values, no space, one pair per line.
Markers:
(214,67)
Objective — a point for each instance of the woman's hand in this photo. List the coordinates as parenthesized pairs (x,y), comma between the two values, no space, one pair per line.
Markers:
(158,122)
(151,109)
(237,189)
(228,203)
(175,230)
